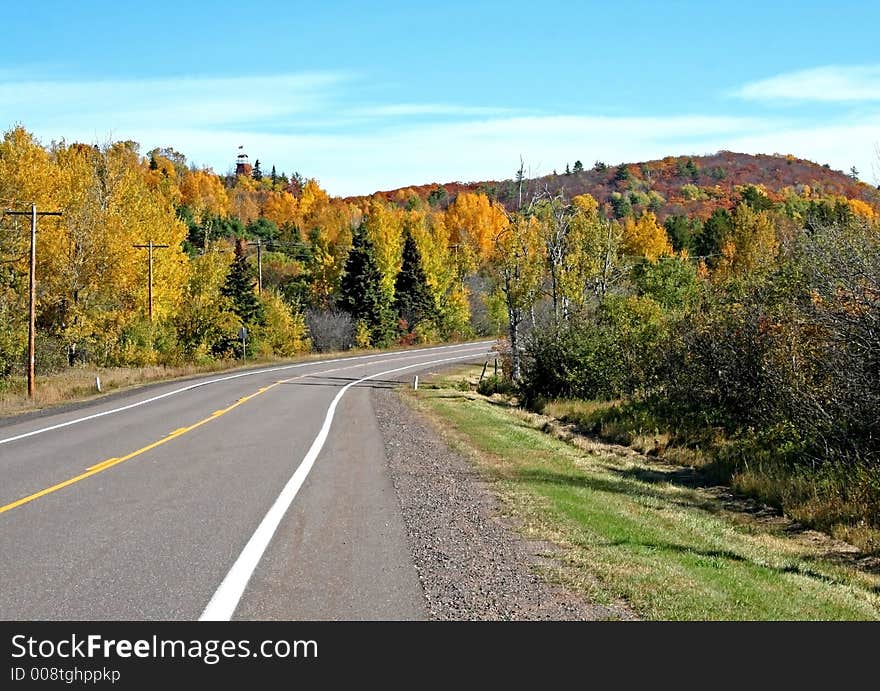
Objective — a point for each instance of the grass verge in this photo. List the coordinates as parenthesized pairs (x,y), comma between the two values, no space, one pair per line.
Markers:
(841,500)
(636,528)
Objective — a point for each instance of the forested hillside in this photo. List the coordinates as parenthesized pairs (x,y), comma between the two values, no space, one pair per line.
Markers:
(676,185)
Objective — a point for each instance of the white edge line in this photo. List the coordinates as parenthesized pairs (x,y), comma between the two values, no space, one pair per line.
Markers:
(222,379)
(227,596)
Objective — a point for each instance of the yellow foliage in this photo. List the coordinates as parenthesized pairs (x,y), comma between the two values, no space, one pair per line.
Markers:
(586,203)
(281,208)
(283,333)
(644,237)
(313,198)
(754,239)
(203,192)
(474,221)
(860,208)
(384,225)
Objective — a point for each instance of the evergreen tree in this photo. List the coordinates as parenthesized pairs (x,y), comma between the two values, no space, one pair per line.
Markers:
(717,229)
(567,169)
(578,167)
(274,176)
(257,174)
(361,289)
(240,287)
(413,301)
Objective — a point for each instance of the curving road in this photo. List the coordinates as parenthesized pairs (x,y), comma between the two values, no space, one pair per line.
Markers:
(257,495)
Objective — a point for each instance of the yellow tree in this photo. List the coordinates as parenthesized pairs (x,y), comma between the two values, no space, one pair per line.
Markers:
(384,224)
(755,244)
(203,192)
(644,237)
(97,279)
(441,269)
(281,208)
(243,199)
(474,222)
(311,202)
(593,263)
(27,175)
(161,176)
(518,266)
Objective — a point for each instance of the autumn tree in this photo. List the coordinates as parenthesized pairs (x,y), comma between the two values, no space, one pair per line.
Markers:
(518,265)
(474,222)
(644,237)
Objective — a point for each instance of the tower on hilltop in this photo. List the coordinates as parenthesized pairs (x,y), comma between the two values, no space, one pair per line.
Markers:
(242,165)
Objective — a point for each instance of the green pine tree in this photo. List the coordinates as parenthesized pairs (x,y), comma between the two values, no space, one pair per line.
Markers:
(240,287)
(361,292)
(413,301)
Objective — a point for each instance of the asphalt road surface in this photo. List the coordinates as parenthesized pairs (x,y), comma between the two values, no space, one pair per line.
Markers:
(255,495)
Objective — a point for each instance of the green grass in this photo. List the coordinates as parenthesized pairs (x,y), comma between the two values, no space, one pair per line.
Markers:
(631,529)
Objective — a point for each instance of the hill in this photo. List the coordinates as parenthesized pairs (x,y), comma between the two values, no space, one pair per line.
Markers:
(676,185)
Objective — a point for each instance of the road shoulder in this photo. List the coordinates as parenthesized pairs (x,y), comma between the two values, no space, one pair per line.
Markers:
(472,562)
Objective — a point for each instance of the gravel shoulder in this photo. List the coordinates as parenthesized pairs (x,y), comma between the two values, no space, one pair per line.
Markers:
(471,561)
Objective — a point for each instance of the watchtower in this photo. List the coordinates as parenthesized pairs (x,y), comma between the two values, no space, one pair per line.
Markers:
(242,165)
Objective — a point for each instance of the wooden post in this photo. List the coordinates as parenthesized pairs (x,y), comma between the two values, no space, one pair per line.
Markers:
(150,280)
(32,308)
(32,290)
(150,247)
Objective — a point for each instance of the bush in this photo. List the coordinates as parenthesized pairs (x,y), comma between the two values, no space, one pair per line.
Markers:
(495,383)
(330,330)
(607,356)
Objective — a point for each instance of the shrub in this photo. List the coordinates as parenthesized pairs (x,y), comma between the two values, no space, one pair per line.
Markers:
(330,330)
(495,383)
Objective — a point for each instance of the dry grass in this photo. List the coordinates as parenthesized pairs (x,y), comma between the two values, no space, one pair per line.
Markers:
(78,384)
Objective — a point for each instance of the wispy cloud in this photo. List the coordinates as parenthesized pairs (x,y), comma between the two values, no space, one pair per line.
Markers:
(422,109)
(183,101)
(334,127)
(830,84)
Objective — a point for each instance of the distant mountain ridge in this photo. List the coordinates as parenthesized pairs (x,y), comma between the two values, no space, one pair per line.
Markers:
(675,185)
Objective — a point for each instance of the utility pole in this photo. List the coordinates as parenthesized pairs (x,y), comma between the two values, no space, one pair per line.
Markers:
(259,244)
(150,247)
(32,284)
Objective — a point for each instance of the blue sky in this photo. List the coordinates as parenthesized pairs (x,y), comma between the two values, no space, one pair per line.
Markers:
(368,96)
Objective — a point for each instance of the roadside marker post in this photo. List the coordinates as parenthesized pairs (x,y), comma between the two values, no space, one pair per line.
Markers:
(243,334)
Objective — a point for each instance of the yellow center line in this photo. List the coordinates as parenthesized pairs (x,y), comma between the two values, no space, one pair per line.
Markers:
(103,464)
(110,462)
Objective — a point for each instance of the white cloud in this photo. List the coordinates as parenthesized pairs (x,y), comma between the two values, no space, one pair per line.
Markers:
(184,101)
(834,84)
(416,109)
(311,123)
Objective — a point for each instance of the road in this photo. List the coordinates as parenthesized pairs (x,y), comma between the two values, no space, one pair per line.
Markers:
(256,495)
